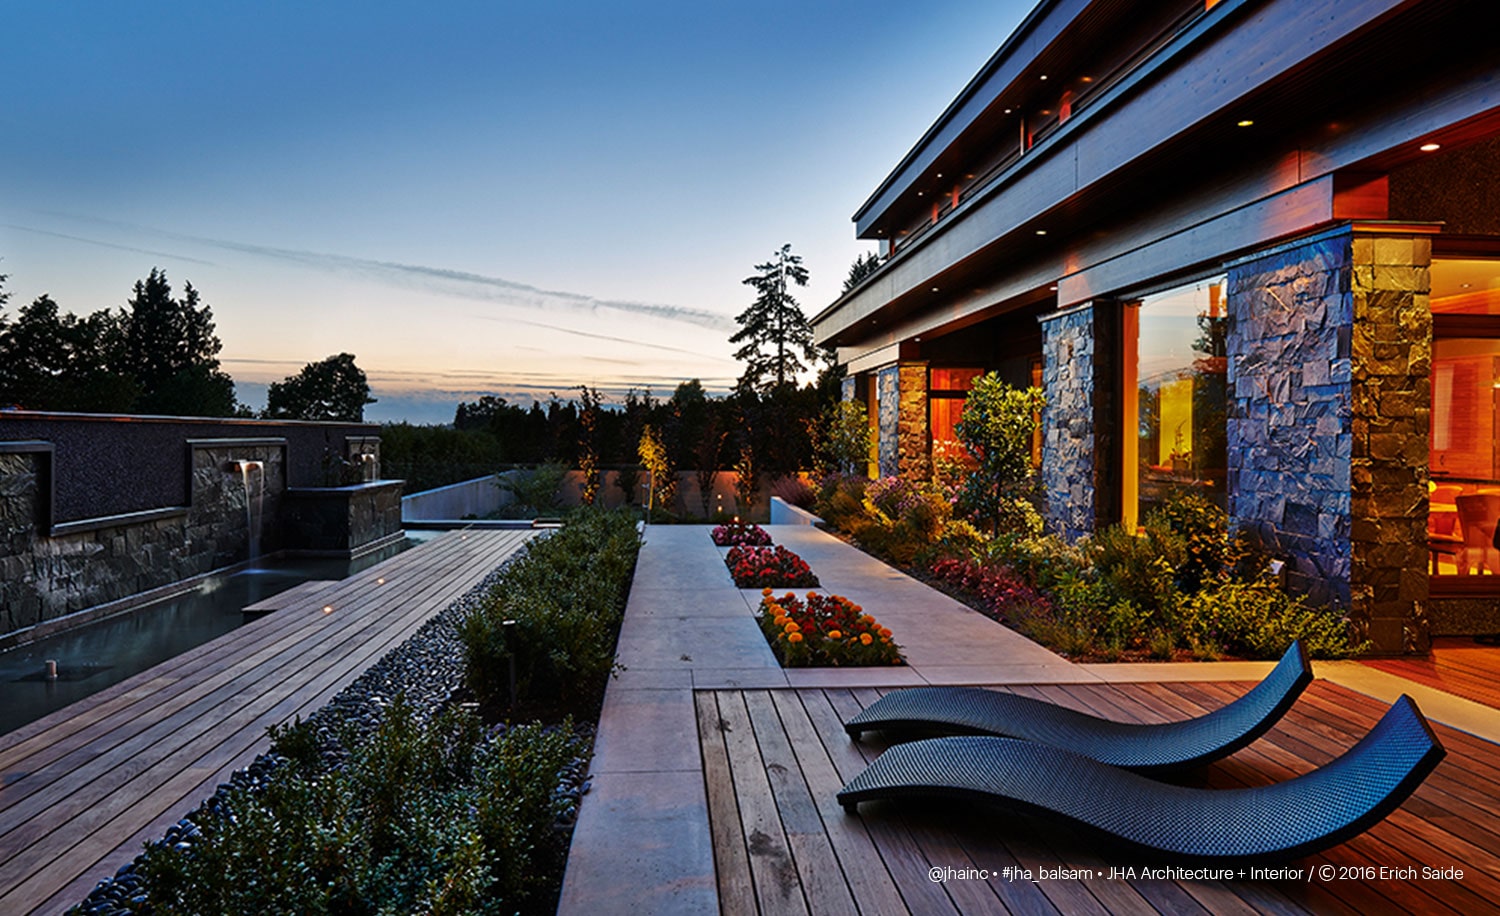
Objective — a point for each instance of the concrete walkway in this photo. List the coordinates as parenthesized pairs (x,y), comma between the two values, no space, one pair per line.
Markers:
(642,842)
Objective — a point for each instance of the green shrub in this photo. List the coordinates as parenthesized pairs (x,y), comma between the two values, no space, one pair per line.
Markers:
(566,595)
(537,491)
(1208,551)
(1260,619)
(421,818)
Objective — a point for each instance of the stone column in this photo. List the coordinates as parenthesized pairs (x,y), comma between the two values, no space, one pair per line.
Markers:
(913,440)
(1391,350)
(1330,343)
(848,388)
(888,386)
(1289,313)
(1080,473)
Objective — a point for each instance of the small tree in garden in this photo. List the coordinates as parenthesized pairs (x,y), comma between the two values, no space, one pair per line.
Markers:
(846,437)
(997,426)
(747,477)
(658,463)
(588,442)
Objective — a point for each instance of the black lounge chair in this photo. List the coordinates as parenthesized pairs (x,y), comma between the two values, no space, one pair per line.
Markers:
(1153,748)
(1262,824)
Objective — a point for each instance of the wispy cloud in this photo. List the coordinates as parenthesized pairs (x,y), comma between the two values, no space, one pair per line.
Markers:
(447,281)
(78,238)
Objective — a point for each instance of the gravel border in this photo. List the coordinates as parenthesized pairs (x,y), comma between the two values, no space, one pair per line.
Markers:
(427,668)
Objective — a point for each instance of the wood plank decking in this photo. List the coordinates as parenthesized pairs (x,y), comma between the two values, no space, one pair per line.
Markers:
(1458,665)
(774,759)
(82,789)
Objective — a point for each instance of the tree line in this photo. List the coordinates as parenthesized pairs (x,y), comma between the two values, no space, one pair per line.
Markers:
(159,354)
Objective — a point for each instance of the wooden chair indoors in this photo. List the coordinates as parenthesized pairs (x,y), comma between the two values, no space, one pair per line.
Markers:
(1477,515)
(1444,539)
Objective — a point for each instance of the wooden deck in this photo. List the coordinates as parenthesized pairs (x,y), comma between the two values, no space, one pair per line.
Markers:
(774,759)
(82,789)
(1458,665)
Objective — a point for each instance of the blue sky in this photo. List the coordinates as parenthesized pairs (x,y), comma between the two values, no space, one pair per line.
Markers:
(471,197)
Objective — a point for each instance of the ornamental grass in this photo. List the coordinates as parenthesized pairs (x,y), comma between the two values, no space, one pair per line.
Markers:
(824,631)
(740,534)
(768,567)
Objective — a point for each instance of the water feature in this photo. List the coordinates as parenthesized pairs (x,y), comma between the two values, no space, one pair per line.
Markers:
(99,654)
(253,508)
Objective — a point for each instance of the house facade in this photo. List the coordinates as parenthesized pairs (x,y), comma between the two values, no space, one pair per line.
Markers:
(1249,249)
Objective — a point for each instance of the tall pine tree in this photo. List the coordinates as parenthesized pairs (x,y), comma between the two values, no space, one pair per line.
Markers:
(776,335)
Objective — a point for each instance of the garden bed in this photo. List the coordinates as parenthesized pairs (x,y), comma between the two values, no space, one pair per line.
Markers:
(740,534)
(824,631)
(768,567)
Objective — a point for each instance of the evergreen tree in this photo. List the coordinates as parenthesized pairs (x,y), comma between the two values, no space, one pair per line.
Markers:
(332,389)
(775,334)
(171,350)
(863,266)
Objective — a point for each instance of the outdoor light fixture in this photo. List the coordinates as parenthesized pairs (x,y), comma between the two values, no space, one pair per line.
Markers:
(1430,147)
(934,289)
(1043,76)
(328,609)
(1245,123)
(380,581)
(1041,232)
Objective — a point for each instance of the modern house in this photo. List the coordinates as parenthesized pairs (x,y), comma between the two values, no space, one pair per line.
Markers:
(1249,248)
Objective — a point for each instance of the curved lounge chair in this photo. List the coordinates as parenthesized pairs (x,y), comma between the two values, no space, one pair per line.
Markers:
(1261,824)
(1152,748)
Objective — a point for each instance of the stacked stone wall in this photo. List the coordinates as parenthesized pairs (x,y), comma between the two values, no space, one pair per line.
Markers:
(1391,346)
(1289,442)
(888,449)
(1069,458)
(913,440)
(46,576)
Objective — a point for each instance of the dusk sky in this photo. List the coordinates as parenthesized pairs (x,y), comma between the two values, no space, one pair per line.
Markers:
(473,198)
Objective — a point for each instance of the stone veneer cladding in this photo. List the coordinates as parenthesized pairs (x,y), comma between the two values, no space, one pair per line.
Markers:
(1391,346)
(1289,398)
(1330,347)
(43,578)
(912,437)
(888,382)
(1068,440)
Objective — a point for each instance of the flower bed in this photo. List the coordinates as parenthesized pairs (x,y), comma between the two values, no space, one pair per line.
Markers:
(824,631)
(740,534)
(770,567)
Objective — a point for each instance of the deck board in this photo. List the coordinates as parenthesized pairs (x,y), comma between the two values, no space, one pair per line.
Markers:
(85,786)
(800,755)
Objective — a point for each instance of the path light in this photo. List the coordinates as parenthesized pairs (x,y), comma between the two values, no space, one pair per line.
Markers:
(51,669)
(380,581)
(328,609)
(508,626)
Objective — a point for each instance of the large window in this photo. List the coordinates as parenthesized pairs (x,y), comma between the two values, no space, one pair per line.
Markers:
(946,391)
(1464,493)
(1174,391)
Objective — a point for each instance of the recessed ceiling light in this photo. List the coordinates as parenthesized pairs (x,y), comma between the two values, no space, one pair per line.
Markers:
(1007,111)
(920,193)
(1464,285)
(1052,288)
(1041,232)
(1430,147)
(1085,79)
(1245,123)
(1044,76)
(940,174)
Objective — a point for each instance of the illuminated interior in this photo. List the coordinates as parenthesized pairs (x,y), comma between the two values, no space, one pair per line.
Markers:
(1464,492)
(1174,371)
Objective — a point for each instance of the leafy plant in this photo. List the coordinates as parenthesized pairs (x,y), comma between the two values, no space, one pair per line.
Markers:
(538,489)
(565,597)
(420,818)
(658,465)
(998,425)
(1260,619)
(845,437)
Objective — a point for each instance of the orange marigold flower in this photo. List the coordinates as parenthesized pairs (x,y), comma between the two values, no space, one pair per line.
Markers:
(865,639)
(766,591)
(792,627)
(886,632)
(795,637)
(835,634)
